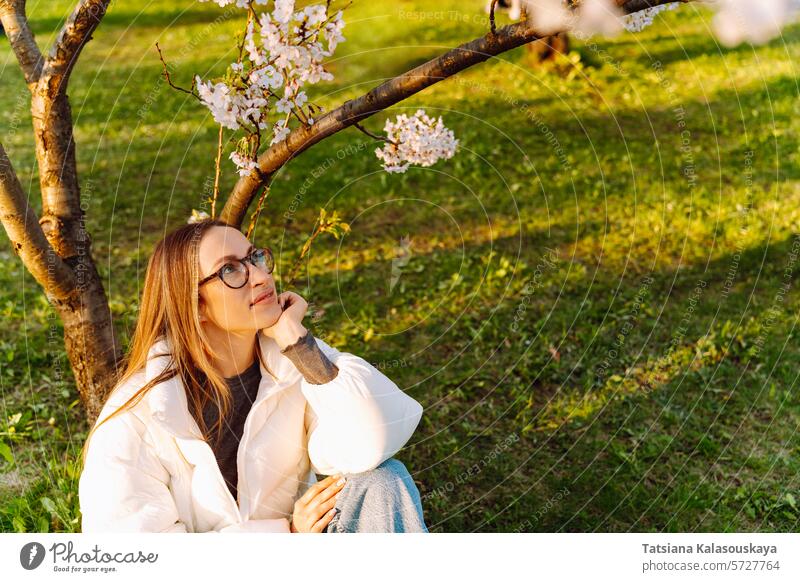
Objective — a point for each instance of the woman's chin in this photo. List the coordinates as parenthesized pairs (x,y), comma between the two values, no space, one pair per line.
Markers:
(267,315)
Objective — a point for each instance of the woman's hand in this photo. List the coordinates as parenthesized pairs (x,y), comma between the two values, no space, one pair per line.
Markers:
(289,328)
(315,509)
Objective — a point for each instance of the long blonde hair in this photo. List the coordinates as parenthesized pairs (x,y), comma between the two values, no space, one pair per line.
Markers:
(170,309)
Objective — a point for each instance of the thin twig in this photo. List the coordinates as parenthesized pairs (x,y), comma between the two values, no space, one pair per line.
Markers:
(491,16)
(257,211)
(250,17)
(216,176)
(169,80)
(372,135)
(303,253)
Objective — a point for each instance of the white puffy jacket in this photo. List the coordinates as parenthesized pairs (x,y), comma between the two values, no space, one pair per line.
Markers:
(148,469)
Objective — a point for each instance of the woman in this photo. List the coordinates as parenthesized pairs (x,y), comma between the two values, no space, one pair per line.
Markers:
(218,358)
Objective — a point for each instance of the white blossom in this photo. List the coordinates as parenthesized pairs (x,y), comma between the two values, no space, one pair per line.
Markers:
(333,32)
(587,18)
(419,140)
(266,78)
(640,20)
(283,106)
(280,131)
(313,15)
(220,102)
(284,10)
(246,165)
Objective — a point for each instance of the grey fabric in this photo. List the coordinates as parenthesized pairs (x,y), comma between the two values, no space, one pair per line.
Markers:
(312,363)
(244,389)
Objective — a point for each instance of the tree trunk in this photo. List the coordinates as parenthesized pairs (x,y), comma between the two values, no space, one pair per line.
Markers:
(89,339)
(57,248)
(89,335)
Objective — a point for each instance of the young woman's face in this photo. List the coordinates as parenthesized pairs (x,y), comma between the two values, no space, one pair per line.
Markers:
(234,310)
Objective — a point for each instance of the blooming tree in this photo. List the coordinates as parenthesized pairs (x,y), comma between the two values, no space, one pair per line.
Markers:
(283,51)
(262,98)
(264,90)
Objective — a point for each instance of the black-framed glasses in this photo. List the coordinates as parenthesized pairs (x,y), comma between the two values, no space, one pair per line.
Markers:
(235,274)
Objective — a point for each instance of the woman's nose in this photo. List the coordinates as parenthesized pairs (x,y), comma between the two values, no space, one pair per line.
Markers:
(258,275)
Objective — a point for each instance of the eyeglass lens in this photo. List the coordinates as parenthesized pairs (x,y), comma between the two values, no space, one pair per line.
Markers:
(235,273)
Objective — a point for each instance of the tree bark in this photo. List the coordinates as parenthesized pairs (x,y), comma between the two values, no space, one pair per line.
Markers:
(57,249)
(89,338)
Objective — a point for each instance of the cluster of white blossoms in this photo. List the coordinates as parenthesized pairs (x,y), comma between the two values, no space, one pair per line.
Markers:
(736,21)
(640,20)
(246,164)
(284,51)
(419,140)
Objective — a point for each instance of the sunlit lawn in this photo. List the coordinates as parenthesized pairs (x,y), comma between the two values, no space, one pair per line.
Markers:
(599,307)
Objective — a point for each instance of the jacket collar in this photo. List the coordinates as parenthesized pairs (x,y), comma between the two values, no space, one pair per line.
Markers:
(167,400)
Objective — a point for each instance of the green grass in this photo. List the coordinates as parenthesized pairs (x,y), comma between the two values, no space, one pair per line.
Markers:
(638,376)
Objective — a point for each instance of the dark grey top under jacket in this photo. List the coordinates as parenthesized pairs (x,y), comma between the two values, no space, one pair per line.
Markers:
(312,363)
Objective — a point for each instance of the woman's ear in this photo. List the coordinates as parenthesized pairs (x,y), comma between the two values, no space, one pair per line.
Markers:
(201,310)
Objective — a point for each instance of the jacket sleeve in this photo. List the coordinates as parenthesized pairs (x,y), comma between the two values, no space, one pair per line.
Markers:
(357,420)
(124,488)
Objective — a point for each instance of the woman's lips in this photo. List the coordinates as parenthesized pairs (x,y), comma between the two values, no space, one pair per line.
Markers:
(265,297)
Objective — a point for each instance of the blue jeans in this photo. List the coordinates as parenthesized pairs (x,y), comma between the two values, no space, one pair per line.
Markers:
(382,500)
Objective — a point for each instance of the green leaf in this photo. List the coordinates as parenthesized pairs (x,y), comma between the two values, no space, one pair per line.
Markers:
(5,452)
(19,525)
(43,525)
(48,504)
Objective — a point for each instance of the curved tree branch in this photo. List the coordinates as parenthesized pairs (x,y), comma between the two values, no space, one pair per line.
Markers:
(376,100)
(74,35)
(62,217)
(15,23)
(384,96)
(27,237)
